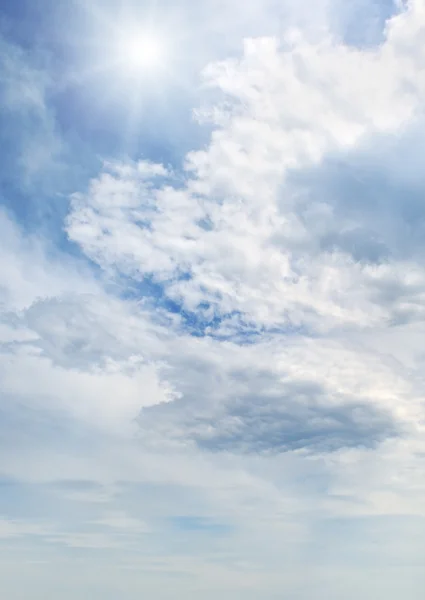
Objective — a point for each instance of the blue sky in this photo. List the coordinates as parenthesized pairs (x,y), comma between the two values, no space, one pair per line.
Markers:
(212,299)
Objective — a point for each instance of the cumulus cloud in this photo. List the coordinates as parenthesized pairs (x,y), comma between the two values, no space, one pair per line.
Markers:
(240,341)
(245,233)
(253,241)
(282,227)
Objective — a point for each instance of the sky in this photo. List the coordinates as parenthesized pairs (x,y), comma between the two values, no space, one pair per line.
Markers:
(212,299)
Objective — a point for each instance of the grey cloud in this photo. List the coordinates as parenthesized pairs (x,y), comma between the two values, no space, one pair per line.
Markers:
(72,330)
(78,330)
(297,417)
(367,202)
(264,427)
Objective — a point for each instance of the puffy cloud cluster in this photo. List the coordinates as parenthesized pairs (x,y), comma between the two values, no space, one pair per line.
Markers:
(264,226)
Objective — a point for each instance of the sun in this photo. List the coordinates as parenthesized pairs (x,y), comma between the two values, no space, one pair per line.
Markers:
(144,51)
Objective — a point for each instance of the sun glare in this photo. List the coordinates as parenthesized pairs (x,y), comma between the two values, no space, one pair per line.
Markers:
(142,52)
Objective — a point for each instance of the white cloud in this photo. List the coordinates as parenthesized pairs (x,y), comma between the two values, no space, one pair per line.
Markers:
(110,397)
(53,359)
(238,236)
(302,407)
(244,238)
(122,522)
(28,272)
(16,529)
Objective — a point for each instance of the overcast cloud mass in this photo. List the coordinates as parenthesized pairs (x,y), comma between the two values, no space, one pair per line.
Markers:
(212,300)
